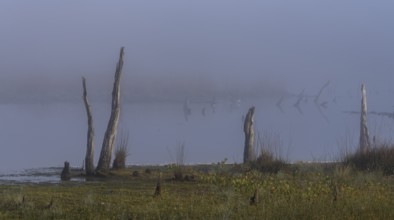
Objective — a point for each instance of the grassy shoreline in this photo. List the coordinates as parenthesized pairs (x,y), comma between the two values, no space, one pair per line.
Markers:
(217,191)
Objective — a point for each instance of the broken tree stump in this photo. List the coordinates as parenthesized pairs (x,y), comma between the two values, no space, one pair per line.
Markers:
(364,136)
(66,172)
(255,198)
(158,187)
(249,135)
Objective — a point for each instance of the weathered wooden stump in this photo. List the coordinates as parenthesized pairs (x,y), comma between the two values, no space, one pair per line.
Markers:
(158,187)
(255,198)
(249,136)
(157,190)
(66,172)
(364,136)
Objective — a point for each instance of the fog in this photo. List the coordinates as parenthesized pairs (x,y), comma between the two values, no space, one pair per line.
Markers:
(252,51)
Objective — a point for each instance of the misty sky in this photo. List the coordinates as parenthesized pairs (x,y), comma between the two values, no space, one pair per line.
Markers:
(302,42)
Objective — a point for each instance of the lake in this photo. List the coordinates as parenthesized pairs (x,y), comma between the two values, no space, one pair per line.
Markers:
(46,135)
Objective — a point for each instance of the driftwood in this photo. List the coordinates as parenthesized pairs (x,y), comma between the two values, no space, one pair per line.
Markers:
(385,114)
(110,134)
(203,110)
(249,135)
(279,104)
(364,136)
(321,91)
(89,166)
(320,110)
(298,102)
(187,111)
(66,172)
(213,103)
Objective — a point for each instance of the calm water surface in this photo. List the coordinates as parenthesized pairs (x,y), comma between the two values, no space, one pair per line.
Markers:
(45,135)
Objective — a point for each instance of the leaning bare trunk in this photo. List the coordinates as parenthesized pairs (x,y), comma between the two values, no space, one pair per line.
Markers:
(249,136)
(110,134)
(89,166)
(364,136)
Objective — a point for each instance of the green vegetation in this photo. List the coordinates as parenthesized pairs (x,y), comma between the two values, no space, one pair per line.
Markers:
(217,191)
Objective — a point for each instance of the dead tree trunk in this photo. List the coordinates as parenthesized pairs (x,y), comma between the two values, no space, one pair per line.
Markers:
(110,134)
(89,166)
(364,136)
(249,136)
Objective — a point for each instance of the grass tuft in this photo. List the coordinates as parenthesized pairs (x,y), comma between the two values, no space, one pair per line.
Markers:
(378,158)
(270,157)
(266,162)
(121,152)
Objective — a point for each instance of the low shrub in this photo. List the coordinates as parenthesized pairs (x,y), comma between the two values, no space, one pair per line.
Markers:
(179,173)
(136,173)
(270,147)
(379,158)
(266,162)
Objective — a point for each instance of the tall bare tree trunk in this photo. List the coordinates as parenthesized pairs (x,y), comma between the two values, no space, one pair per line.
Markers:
(364,136)
(89,158)
(110,134)
(249,135)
